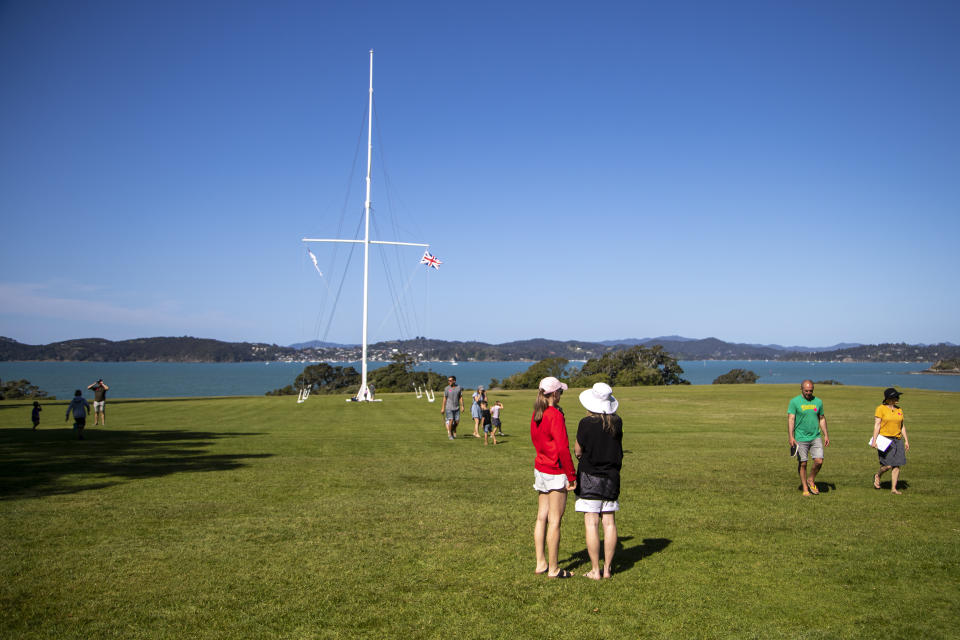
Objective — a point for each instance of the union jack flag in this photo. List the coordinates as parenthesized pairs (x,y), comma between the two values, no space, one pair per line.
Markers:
(430,260)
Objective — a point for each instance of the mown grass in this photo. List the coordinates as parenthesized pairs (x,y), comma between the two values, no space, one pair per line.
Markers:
(258,517)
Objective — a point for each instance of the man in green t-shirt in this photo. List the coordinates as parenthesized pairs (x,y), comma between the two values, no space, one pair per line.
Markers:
(806,423)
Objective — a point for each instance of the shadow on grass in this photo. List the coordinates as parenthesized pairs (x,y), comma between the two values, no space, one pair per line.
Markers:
(625,557)
(53,461)
(901,485)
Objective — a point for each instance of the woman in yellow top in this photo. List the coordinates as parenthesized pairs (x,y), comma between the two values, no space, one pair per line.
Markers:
(889,422)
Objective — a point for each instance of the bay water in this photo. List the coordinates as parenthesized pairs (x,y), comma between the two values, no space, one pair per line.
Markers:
(174,379)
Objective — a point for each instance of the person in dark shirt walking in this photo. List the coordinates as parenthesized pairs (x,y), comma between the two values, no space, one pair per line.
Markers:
(79,407)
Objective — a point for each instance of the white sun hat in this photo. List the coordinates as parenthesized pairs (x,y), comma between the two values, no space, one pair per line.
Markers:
(599,399)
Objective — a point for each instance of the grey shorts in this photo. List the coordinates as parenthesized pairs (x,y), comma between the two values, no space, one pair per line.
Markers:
(812,449)
(453,415)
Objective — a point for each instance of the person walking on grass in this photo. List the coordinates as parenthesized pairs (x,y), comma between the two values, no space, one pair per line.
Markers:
(99,389)
(452,406)
(487,424)
(599,447)
(35,414)
(807,430)
(553,475)
(888,422)
(79,407)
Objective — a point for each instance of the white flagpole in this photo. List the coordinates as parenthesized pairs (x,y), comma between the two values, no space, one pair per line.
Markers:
(363,393)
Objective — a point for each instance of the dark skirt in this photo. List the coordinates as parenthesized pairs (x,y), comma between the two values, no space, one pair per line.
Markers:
(591,487)
(894,456)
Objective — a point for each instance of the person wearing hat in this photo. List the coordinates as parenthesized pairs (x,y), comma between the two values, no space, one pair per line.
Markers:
(553,474)
(807,431)
(599,447)
(888,421)
(476,411)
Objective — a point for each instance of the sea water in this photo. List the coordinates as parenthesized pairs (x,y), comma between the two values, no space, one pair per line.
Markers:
(174,379)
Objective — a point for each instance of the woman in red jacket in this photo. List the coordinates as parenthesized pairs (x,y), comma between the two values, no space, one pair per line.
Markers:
(554,474)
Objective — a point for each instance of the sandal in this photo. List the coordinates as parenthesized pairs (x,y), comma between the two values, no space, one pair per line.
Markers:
(563,573)
(814,490)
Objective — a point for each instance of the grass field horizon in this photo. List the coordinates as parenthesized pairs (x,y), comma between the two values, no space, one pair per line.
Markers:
(261,517)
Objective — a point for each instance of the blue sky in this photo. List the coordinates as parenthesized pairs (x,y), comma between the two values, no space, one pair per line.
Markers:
(756,171)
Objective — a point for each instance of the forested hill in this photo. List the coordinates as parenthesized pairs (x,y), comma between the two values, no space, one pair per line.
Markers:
(184,349)
(188,349)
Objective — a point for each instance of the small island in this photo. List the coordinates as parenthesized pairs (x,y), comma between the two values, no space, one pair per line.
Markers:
(945,368)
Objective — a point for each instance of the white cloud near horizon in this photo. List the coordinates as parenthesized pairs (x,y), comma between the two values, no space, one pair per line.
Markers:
(34,301)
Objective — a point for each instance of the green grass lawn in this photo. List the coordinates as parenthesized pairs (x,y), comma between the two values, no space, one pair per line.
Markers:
(259,517)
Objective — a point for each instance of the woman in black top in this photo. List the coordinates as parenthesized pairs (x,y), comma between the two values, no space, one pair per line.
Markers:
(599,447)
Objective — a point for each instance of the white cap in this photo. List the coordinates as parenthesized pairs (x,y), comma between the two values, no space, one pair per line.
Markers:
(551,384)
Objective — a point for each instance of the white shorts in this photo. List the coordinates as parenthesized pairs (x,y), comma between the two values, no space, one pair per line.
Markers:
(98,406)
(546,482)
(596,506)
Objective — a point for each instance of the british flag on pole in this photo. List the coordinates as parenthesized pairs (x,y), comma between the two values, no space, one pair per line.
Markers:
(430,260)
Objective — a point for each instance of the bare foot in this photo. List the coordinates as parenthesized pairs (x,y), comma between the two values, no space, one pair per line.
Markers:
(593,574)
(895,492)
(876,481)
(607,573)
(540,570)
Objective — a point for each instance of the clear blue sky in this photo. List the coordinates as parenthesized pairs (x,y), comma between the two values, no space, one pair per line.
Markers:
(761,171)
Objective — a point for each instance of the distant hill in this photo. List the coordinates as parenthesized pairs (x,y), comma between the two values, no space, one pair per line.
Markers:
(189,349)
(839,345)
(185,349)
(886,352)
(319,344)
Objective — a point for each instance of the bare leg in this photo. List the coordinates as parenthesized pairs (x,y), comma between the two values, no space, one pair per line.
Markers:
(557,503)
(476,427)
(814,470)
(894,476)
(449,433)
(802,469)
(540,531)
(591,522)
(609,541)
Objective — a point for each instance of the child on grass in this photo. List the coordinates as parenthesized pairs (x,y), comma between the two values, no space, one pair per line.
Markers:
(35,414)
(79,407)
(495,417)
(487,423)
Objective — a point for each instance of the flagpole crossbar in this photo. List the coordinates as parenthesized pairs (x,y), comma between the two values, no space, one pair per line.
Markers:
(403,244)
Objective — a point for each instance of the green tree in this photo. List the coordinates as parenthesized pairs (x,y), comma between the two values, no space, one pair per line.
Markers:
(530,379)
(636,366)
(20,389)
(399,376)
(737,376)
(322,378)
